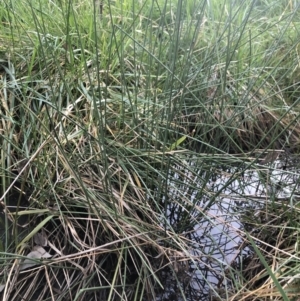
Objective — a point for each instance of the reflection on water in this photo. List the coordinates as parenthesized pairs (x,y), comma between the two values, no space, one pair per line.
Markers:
(216,242)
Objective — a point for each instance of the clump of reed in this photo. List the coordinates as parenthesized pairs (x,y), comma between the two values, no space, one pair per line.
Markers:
(115,119)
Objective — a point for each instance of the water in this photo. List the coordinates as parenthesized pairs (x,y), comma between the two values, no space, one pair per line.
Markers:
(217,243)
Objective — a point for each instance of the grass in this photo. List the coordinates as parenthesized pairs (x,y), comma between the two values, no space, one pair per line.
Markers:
(132,133)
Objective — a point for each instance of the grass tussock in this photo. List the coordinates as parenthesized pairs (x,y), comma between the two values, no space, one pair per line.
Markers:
(127,129)
(270,272)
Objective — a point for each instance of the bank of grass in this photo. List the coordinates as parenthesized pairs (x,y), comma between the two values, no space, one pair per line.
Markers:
(115,118)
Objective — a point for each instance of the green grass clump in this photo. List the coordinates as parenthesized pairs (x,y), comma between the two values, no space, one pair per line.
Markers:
(116,117)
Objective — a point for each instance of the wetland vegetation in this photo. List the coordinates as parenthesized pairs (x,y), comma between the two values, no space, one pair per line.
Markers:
(149,150)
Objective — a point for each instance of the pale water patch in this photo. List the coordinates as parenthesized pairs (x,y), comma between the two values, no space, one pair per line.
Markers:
(217,244)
